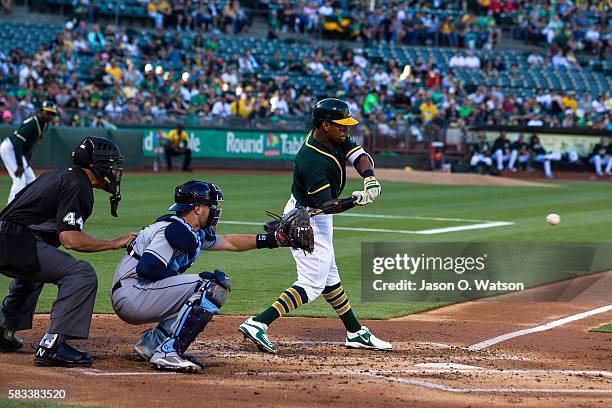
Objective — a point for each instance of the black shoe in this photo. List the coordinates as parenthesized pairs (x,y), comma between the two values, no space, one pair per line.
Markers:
(9,341)
(188,169)
(61,355)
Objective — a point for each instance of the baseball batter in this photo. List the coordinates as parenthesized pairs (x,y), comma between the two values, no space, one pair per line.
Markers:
(319,176)
(16,150)
(149,285)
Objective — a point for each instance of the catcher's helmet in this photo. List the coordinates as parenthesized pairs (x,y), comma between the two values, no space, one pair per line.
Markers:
(332,110)
(195,192)
(103,158)
(49,107)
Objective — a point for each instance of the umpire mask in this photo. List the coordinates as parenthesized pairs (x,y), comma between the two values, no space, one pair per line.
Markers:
(104,159)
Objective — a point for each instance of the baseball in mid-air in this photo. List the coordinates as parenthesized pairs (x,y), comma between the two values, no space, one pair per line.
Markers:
(553,219)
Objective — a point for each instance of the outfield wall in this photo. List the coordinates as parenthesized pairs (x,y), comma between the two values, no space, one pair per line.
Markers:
(55,148)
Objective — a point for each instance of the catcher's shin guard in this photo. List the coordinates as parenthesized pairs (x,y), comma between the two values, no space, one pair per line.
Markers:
(196,314)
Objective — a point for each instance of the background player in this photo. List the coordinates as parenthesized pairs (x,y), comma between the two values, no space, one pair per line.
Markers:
(481,153)
(602,156)
(319,176)
(149,285)
(47,213)
(177,144)
(16,150)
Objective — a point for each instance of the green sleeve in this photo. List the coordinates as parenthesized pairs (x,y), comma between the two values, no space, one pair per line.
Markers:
(317,184)
(28,131)
(349,146)
(17,149)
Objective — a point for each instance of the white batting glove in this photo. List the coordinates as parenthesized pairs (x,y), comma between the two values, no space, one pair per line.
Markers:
(361,198)
(372,187)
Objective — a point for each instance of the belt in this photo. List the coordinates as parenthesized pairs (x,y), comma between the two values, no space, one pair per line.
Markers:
(9,226)
(131,252)
(115,287)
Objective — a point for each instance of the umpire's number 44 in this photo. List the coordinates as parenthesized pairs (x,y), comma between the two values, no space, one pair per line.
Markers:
(71,219)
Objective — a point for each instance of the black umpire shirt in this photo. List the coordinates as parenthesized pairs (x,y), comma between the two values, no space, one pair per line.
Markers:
(59,200)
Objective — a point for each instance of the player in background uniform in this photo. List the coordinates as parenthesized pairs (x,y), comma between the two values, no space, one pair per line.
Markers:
(177,144)
(602,156)
(501,150)
(319,176)
(481,153)
(16,150)
(47,213)
(542,156)
(149,284)
(519,150)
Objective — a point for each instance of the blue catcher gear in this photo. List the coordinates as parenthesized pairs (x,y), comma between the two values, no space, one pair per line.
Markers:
(196,192)
(199,311)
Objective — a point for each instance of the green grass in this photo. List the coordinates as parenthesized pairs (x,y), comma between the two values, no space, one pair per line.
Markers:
(259,276)
(607,328)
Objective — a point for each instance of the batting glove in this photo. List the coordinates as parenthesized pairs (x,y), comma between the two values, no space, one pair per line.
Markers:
(372,187)
(361,198)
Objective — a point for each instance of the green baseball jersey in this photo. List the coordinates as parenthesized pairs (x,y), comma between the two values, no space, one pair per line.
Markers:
(319,171)
(27,136)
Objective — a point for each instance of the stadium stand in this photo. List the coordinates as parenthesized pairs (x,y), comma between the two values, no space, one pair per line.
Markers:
(206,71)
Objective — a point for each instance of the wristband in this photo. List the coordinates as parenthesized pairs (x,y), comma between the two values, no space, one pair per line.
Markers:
(367,173)
(266,241)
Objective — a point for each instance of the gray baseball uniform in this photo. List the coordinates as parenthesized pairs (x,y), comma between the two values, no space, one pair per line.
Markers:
(137,300)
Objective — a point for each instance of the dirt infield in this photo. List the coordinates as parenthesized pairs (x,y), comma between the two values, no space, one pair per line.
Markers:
(452,179)
(432,363)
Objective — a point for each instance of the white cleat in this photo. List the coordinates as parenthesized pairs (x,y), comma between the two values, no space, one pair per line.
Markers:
(143,352)
(257,333)
(173,362)
(366,340)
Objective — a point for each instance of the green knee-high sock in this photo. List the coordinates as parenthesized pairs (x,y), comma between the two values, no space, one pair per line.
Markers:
(336,297)
(288,301)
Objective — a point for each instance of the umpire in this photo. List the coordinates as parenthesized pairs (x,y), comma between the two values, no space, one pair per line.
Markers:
(47,213)
(16,150)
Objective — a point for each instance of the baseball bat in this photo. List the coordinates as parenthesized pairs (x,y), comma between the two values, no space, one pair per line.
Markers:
(335,206)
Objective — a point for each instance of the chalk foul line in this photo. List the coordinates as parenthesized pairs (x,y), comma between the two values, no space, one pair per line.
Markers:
(550,325)
(433,231)
(387,376)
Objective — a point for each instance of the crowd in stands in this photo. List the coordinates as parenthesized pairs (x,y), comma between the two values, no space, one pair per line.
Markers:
(114,89)
(439,23)
(568,26)
(189,15)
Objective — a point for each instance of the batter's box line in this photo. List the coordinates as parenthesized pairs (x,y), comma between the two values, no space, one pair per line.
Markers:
(433,231)
(385,375)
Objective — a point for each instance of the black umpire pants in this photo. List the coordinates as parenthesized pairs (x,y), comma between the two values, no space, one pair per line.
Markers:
(170,151)
(72,310)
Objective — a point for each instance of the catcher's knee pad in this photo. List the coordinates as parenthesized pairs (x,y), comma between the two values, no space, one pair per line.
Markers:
(197,313)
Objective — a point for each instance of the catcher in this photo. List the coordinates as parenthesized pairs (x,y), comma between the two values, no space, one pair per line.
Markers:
(149,285)
(319,177)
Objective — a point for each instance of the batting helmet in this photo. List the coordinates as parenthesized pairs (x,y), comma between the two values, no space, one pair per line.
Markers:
(50,107)
(103,158)
(332,110)
(195,192)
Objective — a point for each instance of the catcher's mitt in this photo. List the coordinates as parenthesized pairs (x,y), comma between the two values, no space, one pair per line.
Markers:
(293,229)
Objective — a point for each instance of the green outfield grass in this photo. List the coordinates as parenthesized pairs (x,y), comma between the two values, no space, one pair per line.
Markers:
(607,328)
(259,276)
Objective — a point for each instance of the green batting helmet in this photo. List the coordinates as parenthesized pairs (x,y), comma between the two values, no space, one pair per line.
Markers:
(332,110)
(50,107)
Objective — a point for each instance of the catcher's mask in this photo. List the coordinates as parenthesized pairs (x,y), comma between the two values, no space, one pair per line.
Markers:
(195,192)
(104,159)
